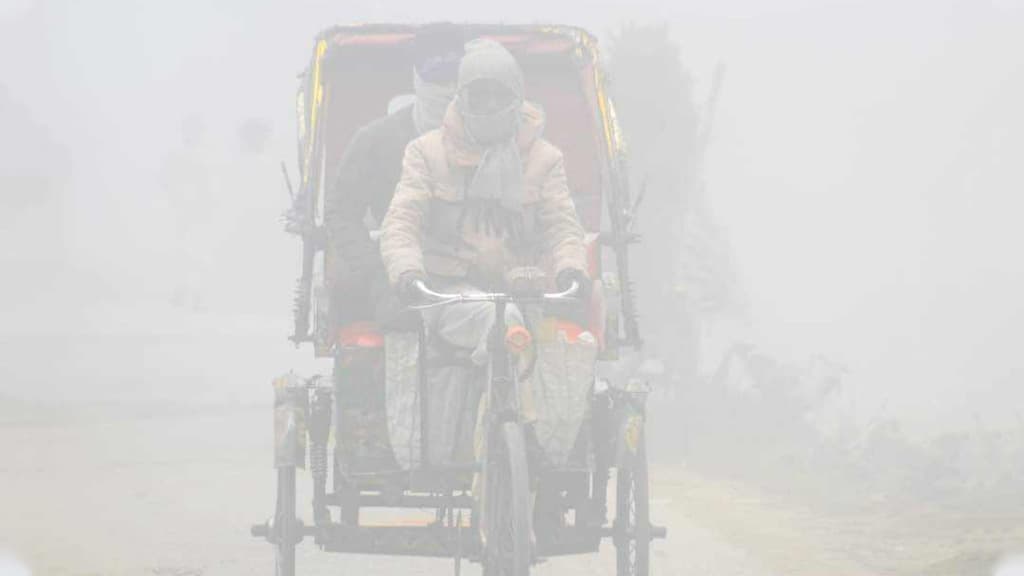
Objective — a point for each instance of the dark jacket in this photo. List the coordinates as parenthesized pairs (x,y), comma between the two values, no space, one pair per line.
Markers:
(364,182)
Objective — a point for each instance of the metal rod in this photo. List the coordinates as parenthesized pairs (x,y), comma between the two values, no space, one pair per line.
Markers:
(402,500)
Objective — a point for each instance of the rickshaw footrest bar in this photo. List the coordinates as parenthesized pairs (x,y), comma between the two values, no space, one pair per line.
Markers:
(653,532)
(403,500)
(266,530)
(437,541)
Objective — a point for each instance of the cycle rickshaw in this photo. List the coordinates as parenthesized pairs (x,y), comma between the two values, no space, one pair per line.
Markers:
(496,507)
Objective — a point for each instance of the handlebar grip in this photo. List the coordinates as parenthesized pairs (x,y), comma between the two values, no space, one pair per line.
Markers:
(424,290)
(571,292)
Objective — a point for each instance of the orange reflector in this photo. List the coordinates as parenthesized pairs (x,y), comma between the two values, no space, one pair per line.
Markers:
(517,339)
(360,335)
(571,330)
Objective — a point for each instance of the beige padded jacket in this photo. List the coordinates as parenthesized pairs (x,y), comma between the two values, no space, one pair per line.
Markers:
(424,229)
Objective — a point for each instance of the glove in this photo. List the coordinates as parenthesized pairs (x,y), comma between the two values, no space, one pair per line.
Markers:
(566,277)
(406,288)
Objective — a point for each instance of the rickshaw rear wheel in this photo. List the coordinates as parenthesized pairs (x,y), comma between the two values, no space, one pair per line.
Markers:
(632,514)
(506,515)
(285,523)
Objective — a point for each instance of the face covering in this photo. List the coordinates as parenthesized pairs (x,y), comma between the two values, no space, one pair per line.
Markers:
(487,130)
(431,103)
(496,184)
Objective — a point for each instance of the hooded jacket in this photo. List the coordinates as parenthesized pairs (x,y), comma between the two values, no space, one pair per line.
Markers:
(431,227)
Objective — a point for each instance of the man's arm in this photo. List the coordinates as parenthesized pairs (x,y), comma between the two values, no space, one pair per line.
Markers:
(561,228)
(345,206)
(402,228)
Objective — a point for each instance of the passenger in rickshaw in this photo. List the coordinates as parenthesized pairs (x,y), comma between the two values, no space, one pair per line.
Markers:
(368,173)
(479,199)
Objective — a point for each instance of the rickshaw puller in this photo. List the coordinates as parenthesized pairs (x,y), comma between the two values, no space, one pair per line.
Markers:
(481,196)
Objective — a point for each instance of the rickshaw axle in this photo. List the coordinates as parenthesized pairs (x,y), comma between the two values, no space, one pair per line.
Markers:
(402,500)
(619,534)
(274,534)
(429,541)
(435,541)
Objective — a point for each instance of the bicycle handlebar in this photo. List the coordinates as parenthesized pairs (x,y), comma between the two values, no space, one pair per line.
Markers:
(440,298)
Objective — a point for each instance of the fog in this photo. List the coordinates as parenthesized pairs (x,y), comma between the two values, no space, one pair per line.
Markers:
(864,169)
(865,172)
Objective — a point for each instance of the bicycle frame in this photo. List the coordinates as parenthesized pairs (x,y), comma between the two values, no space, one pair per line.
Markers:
(501,384)
(504,496)
(504,453)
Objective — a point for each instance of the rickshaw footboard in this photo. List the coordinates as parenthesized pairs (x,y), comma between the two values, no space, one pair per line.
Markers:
(440,541)
(427,541)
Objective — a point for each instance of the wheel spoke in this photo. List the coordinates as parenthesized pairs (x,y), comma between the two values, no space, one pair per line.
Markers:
(632,515)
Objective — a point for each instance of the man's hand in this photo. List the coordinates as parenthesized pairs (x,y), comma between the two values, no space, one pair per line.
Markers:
(568,276)
(407,289)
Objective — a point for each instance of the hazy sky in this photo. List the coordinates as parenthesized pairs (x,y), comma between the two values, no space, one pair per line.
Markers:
(866,160)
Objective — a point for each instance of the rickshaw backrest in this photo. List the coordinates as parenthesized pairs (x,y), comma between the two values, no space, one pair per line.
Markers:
(366,67)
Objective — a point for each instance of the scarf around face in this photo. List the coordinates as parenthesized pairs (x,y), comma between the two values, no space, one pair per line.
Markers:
(499,176)
(492,183)
(496,170)
(431,103)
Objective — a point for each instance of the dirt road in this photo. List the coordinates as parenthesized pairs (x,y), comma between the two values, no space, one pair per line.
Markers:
(172,492)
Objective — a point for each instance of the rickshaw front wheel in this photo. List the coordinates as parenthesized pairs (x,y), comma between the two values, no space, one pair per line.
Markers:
(506,515)
(632,513)
(285,523)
